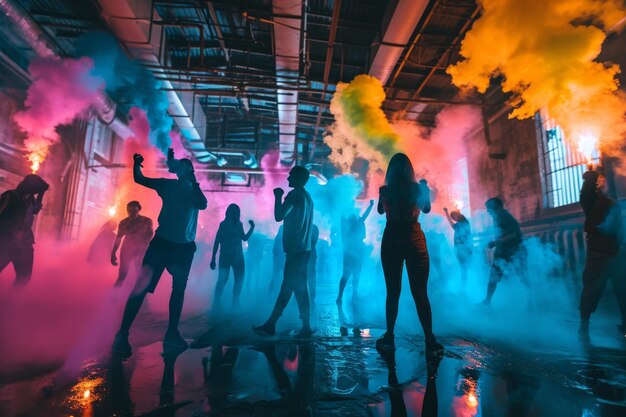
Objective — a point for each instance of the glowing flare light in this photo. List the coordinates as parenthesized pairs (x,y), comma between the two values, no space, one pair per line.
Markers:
(472,401)
(546,54)
(35,162)
(112,211)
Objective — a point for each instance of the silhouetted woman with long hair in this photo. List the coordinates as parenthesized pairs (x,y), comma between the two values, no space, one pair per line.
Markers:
(402,199)
(229,238)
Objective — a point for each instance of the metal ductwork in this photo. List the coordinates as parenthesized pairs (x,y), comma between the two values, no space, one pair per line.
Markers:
(287,25)
(398,26)
(129,21)
(43,47)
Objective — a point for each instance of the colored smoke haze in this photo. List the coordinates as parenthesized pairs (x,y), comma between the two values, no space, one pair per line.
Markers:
(129,83)
(436,154)
(545,50)
(362,131)
(61,90)
(126,189)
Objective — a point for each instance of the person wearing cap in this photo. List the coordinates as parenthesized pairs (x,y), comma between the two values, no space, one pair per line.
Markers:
(297,213)
(18,208)
(136,230)
(509,251)
(172,248)
(604,237)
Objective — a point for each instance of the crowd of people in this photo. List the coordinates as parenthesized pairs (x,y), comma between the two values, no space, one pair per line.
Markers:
(401,199)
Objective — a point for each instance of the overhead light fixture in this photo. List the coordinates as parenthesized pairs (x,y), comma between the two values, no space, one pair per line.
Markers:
(250,161)
(235,178)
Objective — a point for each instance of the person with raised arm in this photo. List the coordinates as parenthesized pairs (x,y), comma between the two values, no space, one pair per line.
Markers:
(18,209)
(462,241)
(605,258)
(229,239)
(353,233)
(172,248)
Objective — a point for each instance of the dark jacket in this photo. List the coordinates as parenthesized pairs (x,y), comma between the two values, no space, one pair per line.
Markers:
(16,217)
(603,223)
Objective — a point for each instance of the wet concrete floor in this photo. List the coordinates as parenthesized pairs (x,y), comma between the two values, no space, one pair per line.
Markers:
(229,371)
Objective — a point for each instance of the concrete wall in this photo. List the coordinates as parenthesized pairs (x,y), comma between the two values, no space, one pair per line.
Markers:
(505,163)
(79,197)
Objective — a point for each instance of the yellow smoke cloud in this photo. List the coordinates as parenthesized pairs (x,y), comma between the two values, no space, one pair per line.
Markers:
(546,51)
(361,129)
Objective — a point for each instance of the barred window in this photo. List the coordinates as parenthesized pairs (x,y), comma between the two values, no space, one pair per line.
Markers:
(562,164)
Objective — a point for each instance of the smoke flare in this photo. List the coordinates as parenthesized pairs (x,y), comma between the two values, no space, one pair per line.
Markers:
(129,83)
(60,91)
(546,52)
(362,130)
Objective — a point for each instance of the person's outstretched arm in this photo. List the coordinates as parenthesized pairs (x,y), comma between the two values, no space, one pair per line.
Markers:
(250,230)
(367,211)
(199,199)
(445,210)
(138,175)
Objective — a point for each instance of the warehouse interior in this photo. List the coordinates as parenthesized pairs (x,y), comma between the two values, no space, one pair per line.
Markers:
(523,102)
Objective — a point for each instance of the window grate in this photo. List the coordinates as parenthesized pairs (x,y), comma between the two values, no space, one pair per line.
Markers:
(563,165)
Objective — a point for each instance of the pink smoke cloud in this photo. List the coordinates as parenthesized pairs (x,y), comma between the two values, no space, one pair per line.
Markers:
(61,90)
(436,155)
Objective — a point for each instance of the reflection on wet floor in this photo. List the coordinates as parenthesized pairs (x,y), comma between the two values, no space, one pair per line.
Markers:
(231,372)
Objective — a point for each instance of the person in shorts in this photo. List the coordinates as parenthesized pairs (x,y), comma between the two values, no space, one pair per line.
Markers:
(172,248)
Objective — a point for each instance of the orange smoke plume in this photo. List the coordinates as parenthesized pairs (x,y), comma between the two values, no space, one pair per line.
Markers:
(546,51)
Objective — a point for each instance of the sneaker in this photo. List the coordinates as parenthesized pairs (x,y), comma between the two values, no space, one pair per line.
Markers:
(121,347)
(174,343)
(265,330)
(386,342)
(433,348)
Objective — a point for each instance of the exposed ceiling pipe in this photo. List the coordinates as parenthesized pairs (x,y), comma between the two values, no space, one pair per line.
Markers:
(45,48)
(330,49)
(397,30)
(287,32)
(127,20)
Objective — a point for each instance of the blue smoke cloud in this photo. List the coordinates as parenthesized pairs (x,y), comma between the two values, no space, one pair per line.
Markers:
(337,198)
(128,83)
